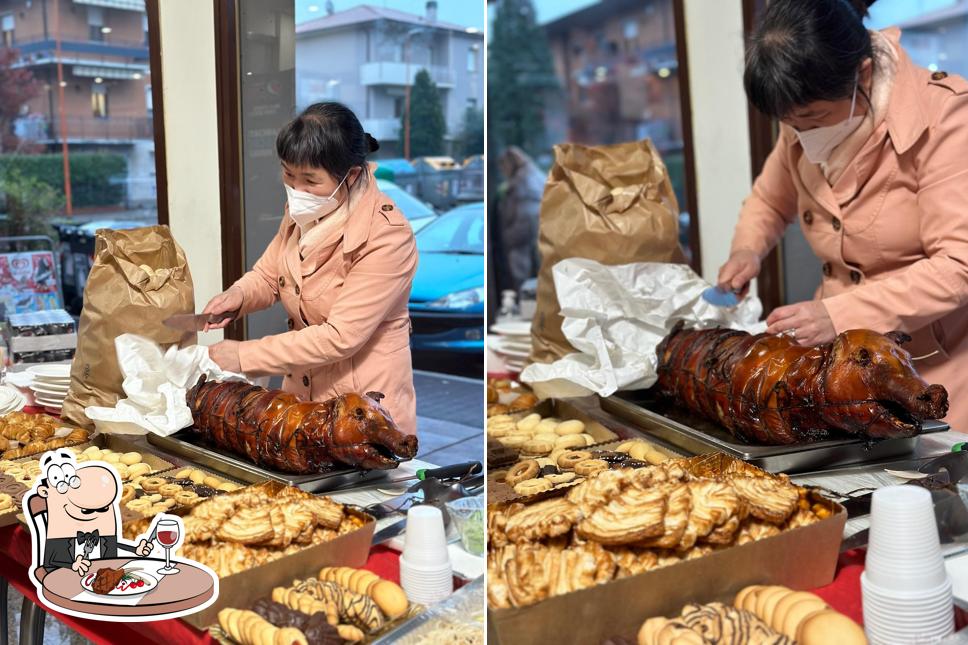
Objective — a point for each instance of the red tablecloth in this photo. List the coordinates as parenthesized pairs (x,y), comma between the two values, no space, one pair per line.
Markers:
(15,558)
(843,594)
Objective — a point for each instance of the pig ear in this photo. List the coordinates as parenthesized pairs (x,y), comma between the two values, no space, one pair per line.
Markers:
(376,396)
(898,337)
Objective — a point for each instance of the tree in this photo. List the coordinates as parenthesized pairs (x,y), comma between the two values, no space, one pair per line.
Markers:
(427,124)
(519,75)
(30,203)
(17,86)
(472,134)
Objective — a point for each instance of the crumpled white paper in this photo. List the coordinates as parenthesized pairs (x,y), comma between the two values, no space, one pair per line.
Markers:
(156,384)
(615,316)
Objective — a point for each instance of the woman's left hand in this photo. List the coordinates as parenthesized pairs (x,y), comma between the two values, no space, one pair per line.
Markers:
(808,322)
(226,355)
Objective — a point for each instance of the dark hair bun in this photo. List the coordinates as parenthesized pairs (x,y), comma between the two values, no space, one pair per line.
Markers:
(372,143)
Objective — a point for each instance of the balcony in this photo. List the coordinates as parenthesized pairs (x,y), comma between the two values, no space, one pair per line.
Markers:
(396,74)
(83,129)
(382,129)
(39,48)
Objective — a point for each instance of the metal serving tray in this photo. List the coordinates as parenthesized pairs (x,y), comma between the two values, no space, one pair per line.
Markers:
(233,466)
(696,436)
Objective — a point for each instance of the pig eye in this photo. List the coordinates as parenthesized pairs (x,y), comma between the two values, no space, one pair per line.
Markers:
(862,357)
(360,414)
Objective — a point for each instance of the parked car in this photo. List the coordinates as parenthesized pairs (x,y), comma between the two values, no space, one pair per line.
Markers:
(416,212)
(447,299)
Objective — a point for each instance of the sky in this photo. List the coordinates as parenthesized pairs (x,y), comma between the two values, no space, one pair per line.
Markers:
(469,13)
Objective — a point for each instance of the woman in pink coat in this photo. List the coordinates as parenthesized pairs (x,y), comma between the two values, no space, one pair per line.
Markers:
(342,265)
(872,159)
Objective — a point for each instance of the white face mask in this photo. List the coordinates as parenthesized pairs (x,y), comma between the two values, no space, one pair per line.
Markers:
(819,143)
(306,209)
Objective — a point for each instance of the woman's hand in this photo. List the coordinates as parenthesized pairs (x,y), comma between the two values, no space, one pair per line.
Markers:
(225,302)
(808,322)
(226,355)
(741,267)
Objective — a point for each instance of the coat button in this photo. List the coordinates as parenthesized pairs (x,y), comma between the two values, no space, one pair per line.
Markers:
(305,380)
(387,207)
(282,281)
(855,277)
(939,76)
(827,269)
(836,224)
(290,324)
(297,289)
(808,218)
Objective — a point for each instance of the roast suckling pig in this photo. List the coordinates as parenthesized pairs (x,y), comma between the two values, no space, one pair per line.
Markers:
(766,389)
(275,430)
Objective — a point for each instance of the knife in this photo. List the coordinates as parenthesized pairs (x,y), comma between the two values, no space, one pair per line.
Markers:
(196,322)
(444,472)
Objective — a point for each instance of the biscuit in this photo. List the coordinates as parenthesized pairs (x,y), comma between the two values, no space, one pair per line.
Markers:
(590,466)
(529,422)
(532,486)
(390,598)
(571,441)
(169,490)
(522,471)
(537,447)
(573,426)
(151,484)
(130,458)
(829,626)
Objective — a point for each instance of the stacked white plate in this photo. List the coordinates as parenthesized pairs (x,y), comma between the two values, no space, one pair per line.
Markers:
(11,400)
(511,340)
(50,383)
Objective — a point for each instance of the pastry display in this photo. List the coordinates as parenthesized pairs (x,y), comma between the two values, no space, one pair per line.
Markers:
(6,502)
(536,436)
(314,627)
(23,434)
(387,595)
(626,521)
(249,628)
(276,430)
(768,389)
(130,465)
(564,465)
(236,531)
(508,397)
(760,615)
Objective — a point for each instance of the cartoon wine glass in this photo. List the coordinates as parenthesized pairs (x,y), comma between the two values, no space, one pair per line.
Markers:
(168,535)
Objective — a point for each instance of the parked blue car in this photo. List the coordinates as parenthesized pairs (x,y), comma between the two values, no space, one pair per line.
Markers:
(447,299)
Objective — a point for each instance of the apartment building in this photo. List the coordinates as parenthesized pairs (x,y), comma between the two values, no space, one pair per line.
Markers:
(101,47)
(367,55)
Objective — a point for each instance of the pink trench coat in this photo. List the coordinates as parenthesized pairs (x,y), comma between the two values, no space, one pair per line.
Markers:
(349,327)
(892,232)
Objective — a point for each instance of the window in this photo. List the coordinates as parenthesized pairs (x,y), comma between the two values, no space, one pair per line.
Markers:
(95,23)
(371,79)
(110,155)
(99,100)
(6,26)
(594,76)
(472,54)
(933,33)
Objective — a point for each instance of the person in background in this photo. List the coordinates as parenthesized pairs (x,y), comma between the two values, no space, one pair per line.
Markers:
(871,159)
(518,209)
(342,265)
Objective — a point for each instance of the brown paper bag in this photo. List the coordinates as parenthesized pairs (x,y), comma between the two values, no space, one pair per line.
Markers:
(139,278)
(613,204)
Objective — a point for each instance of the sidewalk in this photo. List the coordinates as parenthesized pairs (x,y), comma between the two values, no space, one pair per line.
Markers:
(450,417)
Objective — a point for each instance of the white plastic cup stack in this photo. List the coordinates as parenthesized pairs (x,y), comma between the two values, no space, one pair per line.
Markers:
(425,569)
(906,590)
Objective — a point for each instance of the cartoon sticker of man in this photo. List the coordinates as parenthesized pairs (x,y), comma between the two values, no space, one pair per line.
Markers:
(82,516)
